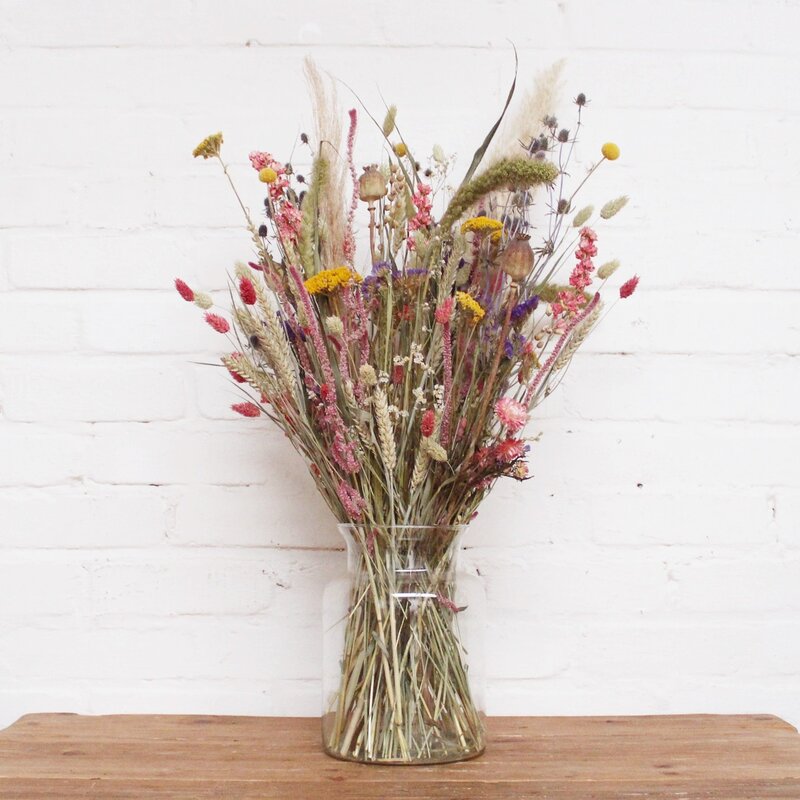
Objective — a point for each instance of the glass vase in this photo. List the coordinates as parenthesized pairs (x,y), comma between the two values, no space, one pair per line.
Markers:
(403,649)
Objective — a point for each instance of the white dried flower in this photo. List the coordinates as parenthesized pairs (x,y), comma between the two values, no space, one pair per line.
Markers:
(438,154)
(367,374)
(334,325)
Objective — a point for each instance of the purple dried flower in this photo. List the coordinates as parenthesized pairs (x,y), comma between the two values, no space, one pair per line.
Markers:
(521,310)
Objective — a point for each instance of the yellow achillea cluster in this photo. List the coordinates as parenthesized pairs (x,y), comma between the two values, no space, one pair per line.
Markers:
(329,280)
(481,225)
(469,303)
(209,147)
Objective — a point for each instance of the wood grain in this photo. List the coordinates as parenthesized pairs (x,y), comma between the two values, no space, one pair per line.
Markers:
(126,757)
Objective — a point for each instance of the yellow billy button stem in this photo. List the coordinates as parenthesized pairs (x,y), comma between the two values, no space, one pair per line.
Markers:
(371,188)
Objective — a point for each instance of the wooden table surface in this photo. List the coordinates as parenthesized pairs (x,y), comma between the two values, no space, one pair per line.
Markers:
(126,757)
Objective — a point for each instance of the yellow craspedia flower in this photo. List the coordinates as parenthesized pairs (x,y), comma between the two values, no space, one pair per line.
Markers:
(400,149)
(481,225)
(470,304)
(209,147)
(267,175)
(610,151)
(329,280)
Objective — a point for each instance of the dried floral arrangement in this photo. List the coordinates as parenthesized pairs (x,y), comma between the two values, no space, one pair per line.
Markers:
(405,378)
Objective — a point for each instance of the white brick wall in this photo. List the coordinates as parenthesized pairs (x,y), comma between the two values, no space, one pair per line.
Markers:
(158,555)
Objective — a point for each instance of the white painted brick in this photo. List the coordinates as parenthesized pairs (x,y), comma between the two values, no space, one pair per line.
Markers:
(41,586)
(91,390)
(33,324)
(82,517)
(145,454)
(40,457)
(148,259)
(182,583)
(150,322)
(699,322)
(204,515)
(679,388)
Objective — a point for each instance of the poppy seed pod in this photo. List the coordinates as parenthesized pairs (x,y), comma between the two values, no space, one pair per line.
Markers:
(517,259)
(371,184)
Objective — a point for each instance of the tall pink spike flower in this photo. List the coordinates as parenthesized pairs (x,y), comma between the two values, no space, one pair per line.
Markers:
(184,290)
(247,409)
(629,287)
(218,323)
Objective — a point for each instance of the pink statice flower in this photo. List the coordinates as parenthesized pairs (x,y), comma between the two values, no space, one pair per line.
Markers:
(571,301)
(259,160)
(287,220)
(511,413)
(246,409)
(423,203)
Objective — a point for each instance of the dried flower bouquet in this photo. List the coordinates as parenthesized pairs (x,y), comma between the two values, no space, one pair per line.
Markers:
(407,389)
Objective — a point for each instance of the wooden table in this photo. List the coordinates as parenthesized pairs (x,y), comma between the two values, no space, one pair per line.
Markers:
(66,756)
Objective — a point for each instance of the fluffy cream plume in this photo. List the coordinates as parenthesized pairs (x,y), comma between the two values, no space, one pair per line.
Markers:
(526,120)
(613,207)
(203,300)
(608,269)
(577,338)
(389,119)
(328,131)
(582,216)
(385,429)
(334,325)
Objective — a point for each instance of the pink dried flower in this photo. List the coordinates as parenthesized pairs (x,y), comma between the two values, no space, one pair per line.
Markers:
(218,323)
(354,504)
(509,450)
(445,311)
(428,423)
(629,287)
(247,291)
(423,204)
(287,221)
(183,290)
(246,409)
(260,160)
(511,413)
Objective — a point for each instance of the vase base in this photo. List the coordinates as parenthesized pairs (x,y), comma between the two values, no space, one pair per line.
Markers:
(466,755)
(447,752)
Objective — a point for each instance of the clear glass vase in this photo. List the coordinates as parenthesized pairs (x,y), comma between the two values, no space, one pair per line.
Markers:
(403,649)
